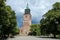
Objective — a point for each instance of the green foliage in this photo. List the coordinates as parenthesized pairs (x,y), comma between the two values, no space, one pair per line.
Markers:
(35,29)
(51,21)
(2,3)
(56,5)
(7,20)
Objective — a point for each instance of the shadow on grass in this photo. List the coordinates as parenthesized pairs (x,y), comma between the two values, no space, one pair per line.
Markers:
(49,37)
(5,38)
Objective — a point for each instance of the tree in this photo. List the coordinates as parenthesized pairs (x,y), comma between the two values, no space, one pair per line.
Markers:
(51,21)
(8,23)
(35,29)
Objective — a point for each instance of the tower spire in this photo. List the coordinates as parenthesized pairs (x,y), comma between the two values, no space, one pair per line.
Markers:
(27,7)
(27,10)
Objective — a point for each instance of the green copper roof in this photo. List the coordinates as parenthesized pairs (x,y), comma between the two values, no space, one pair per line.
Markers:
(27,7)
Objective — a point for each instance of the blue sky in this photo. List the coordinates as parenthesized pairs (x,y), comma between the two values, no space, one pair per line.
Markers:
(37,7)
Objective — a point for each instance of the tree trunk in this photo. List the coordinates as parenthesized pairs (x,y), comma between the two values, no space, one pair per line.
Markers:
(54,35)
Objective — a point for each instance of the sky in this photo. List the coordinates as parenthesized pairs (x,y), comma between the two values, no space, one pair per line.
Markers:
(38,9)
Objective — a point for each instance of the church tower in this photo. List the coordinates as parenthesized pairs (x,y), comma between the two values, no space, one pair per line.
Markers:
(26,22)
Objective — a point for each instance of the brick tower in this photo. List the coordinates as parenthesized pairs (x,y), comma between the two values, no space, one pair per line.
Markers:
(25,29)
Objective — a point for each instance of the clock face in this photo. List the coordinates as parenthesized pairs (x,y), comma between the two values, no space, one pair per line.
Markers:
(26,17)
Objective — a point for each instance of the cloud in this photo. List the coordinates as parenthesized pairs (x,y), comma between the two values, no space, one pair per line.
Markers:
(38,8)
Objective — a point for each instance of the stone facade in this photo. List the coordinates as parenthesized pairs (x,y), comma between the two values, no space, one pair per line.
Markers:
(25,29)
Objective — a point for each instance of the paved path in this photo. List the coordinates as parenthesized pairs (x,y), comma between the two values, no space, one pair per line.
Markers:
(29,38)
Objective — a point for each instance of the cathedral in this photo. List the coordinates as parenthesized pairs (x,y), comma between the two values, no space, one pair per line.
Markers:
(25,29)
